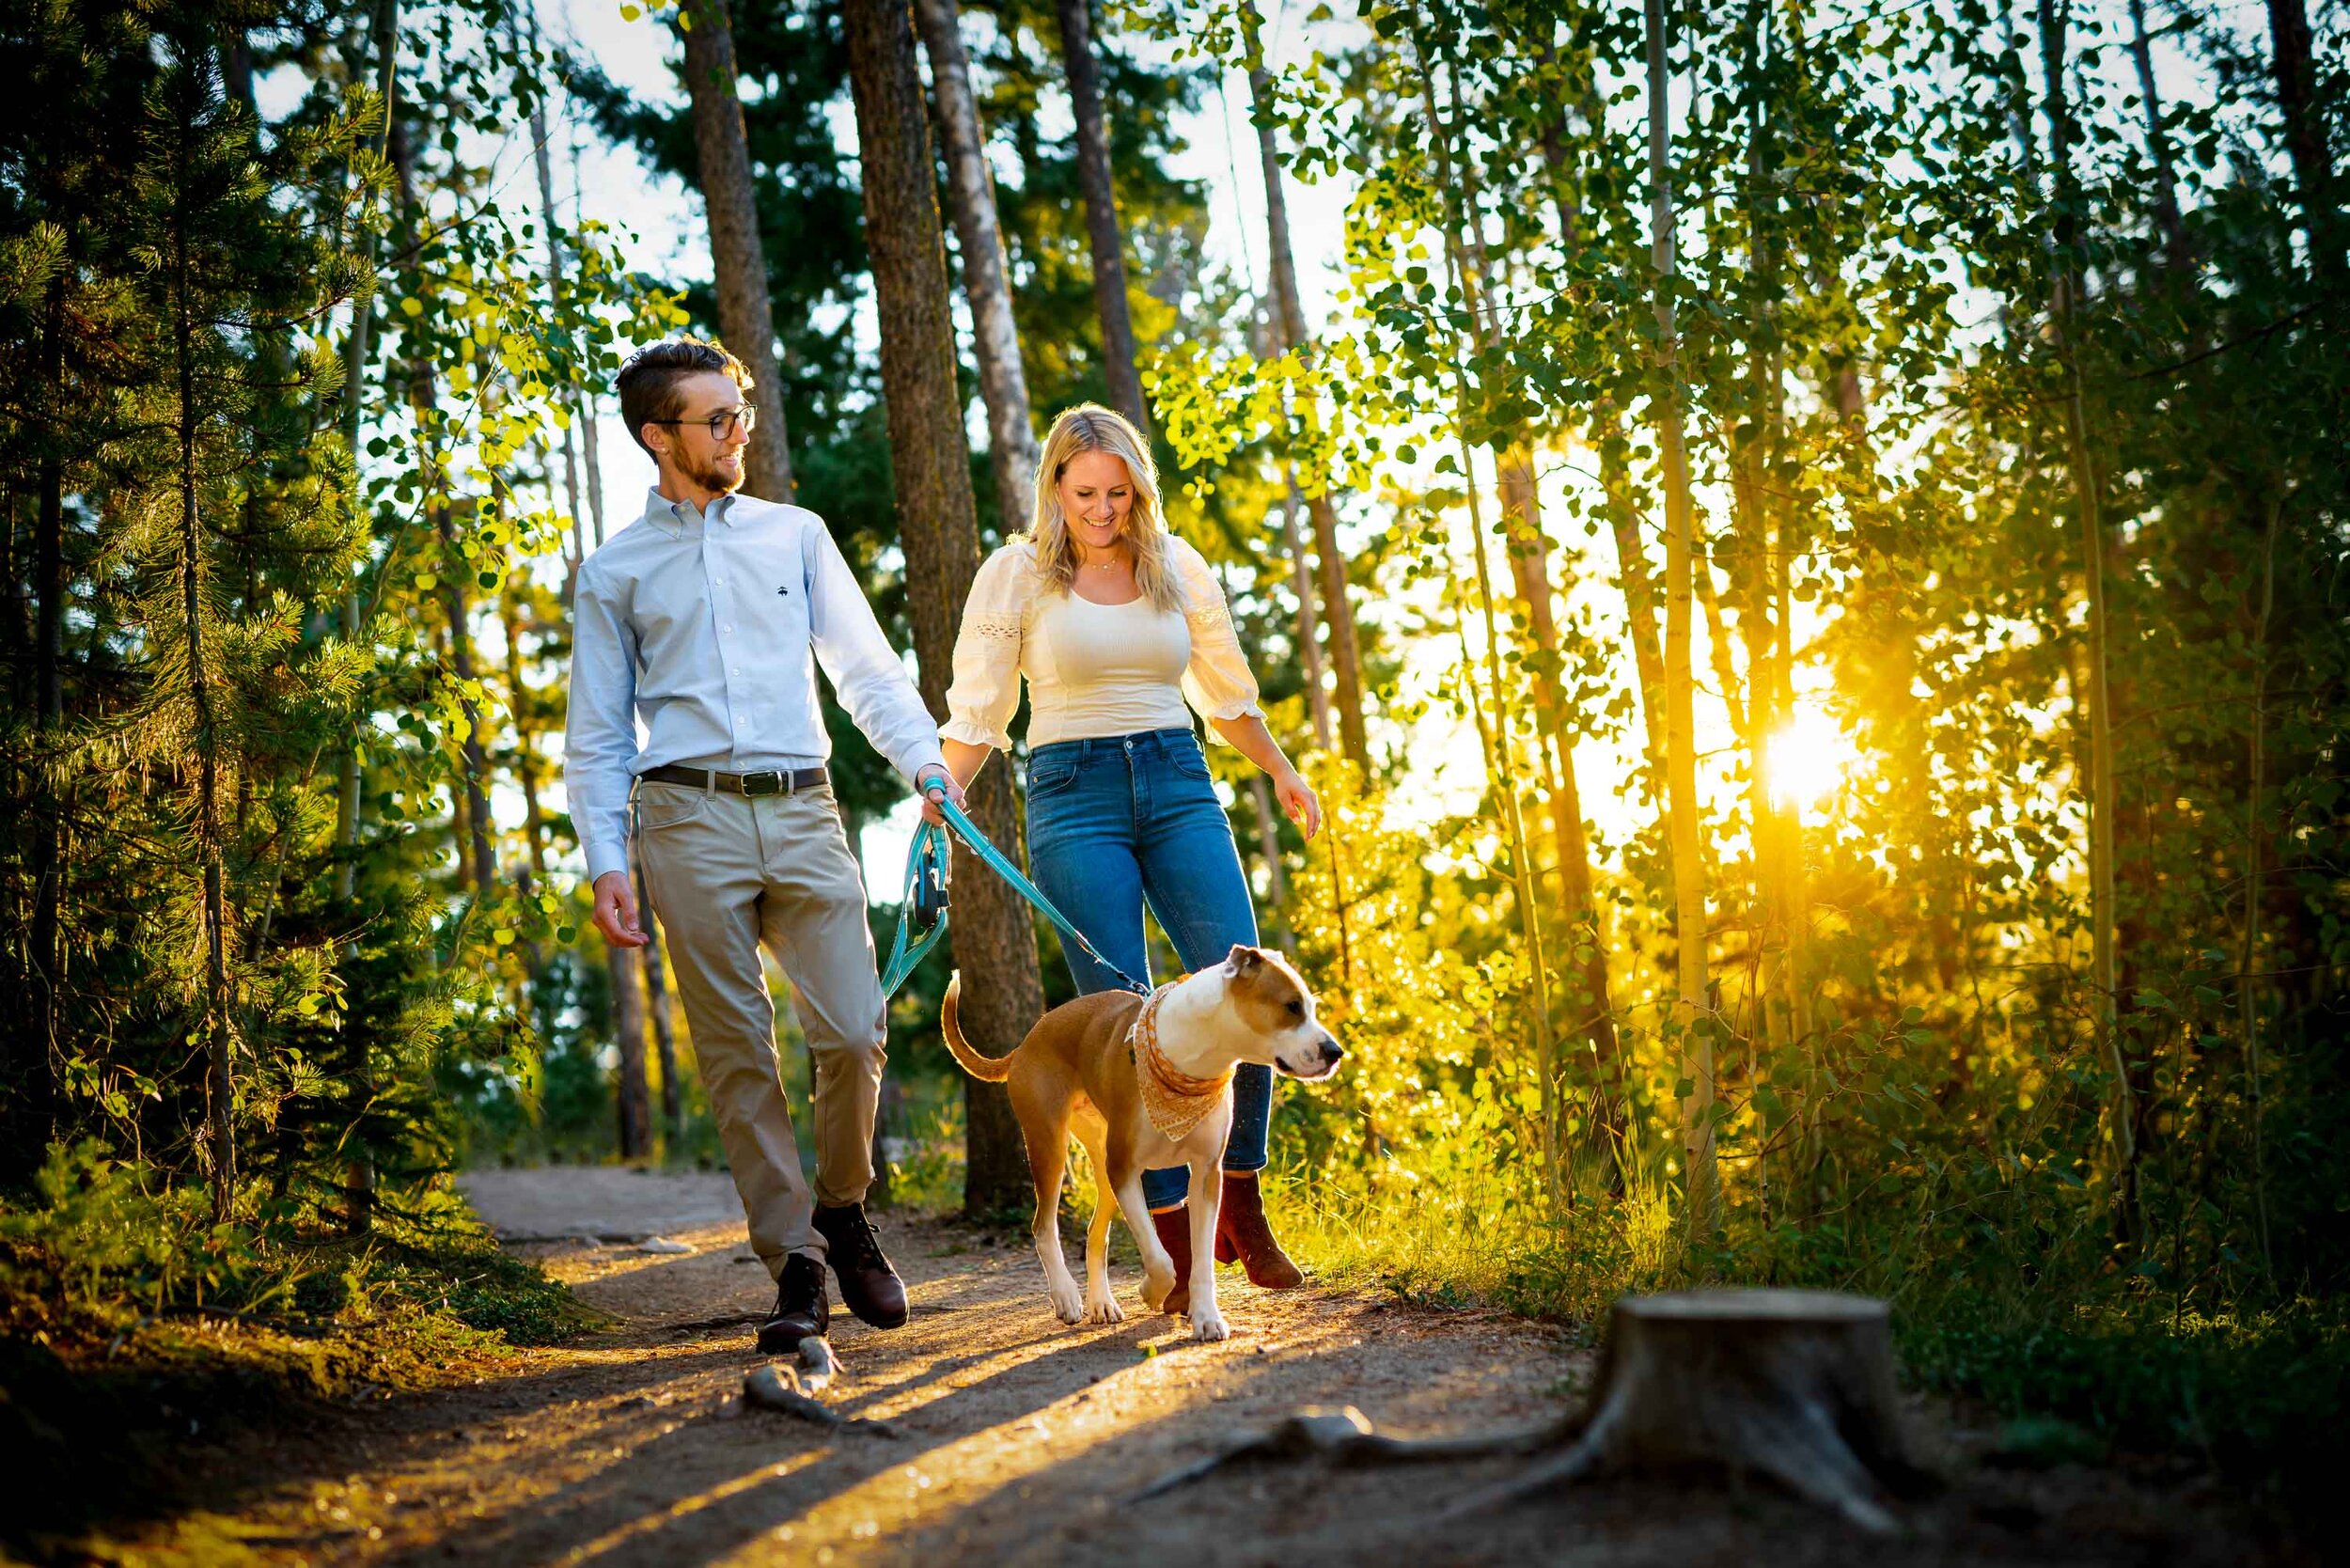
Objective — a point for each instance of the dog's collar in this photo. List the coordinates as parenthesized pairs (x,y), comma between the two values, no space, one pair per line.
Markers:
(1173,1100)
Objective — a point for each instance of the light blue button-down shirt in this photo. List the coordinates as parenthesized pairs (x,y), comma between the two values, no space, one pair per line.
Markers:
(707,631)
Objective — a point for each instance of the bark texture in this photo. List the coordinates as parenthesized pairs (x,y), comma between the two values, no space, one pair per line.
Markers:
(1102,229)
(2293,64)
(746,317)
(1681,776)
(993,942)
(1289,318)
(1012,451)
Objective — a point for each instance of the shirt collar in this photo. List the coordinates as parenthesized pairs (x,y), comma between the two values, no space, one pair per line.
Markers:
(676,517)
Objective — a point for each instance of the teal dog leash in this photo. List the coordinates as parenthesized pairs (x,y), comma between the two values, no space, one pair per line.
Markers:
(923,914)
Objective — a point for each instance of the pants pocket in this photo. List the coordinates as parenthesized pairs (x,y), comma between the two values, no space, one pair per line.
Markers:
(665,805)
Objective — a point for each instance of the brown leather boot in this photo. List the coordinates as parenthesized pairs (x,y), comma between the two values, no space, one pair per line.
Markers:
(1174,1229)
(1240,1222)
(868,1286)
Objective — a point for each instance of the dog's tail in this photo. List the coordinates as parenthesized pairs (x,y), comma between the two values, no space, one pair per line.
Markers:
(991,1070)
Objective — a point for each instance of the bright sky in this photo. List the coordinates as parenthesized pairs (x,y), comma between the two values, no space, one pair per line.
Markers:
(670,241)
(666,222)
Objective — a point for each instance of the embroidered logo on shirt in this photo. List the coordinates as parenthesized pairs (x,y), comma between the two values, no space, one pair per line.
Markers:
(785,590)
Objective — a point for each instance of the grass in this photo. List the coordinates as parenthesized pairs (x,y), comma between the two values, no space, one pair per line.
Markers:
(129,1323)
(2089,1374)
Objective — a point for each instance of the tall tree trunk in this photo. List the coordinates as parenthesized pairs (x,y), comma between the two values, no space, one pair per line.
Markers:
(630,1101)
(475,857)
(1309,615)
(1681,781)
(2247,995)
(31,1082)
(628,1011)
(532,876)
(663,1019)
(1012,450)
(1102,229)
(220,1089)
(2178,252)
(1289,318)
(1466,276)
(2064,284)
(1529,570)
(358,355)
(994,945)
(746,316)
(2295,66)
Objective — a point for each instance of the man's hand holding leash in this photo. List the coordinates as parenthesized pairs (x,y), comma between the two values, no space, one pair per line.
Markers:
(935,784)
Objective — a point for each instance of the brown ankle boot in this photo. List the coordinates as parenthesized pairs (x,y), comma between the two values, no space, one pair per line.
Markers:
(1240,1222)
(1174,1229)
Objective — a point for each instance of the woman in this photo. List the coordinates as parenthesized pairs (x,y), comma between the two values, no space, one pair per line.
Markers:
(1115,622)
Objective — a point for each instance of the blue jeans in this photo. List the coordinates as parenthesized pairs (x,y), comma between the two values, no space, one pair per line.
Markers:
(1122,820)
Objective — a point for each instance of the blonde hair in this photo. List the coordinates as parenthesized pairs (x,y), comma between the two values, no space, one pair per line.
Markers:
(1091,427)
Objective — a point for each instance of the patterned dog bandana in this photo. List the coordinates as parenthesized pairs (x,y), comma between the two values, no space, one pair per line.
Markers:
(1173,1100)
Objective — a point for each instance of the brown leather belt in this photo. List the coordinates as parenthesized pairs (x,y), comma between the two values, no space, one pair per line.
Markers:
(771,783)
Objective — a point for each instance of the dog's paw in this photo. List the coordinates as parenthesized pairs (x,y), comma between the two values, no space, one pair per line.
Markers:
(1104,1309)
(1207,1324)
(1067,1305)
(1157,1287)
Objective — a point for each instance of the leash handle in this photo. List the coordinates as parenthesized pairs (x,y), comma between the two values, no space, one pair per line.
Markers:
(1001,864)
(930,842)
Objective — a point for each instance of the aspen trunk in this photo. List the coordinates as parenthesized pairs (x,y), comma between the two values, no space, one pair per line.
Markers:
(1639,593)
(2104,993)
(1012,450)
(1697,1062)
(1102,228)
(1309,617)
(1500,762)
(1289,318)
(994,945)
(476,863)
(738,256)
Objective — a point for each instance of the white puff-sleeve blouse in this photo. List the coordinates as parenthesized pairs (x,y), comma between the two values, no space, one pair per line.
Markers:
(1092,670)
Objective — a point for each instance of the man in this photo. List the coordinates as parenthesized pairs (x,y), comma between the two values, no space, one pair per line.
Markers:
(704,621)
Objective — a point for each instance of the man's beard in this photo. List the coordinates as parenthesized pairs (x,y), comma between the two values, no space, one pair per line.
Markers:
(707,474)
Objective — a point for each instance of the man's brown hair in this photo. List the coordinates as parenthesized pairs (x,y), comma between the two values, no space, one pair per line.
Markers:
(648,383)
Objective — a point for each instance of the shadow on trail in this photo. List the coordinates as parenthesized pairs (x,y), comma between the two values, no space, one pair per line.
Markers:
(717,1481)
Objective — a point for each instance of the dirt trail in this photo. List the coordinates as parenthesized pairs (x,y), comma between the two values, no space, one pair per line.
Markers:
(1019,1438)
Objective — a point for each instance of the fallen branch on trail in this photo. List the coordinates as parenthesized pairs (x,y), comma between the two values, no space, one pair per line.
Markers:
(724,1320)
(1345,1437)
(1794,1385)
(781,1386)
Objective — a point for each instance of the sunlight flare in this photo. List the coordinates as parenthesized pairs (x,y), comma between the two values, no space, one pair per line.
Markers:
(1810,756)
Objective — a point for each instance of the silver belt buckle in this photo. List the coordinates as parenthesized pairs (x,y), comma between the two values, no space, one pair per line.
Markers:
(767,783)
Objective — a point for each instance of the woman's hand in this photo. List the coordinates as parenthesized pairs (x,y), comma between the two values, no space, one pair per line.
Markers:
(1298,799)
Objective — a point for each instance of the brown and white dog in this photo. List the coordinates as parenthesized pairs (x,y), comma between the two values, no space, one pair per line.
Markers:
(1146,1085)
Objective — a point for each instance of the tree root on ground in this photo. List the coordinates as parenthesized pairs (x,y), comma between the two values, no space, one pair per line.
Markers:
(1794,1385)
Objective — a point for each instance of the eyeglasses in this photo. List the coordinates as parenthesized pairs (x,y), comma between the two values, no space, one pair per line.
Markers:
(721,424)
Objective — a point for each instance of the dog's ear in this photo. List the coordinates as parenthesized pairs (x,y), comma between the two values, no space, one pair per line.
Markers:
(1243,960)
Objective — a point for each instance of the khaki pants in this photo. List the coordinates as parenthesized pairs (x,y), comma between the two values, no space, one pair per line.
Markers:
(725,873)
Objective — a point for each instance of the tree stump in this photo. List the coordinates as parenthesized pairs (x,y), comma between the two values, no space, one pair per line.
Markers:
(1796,1385)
